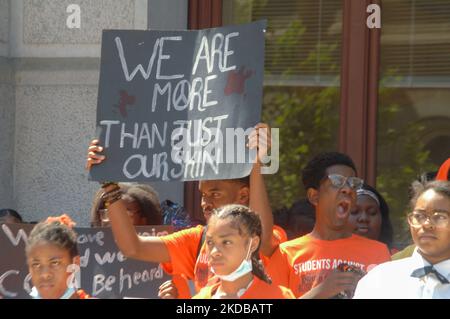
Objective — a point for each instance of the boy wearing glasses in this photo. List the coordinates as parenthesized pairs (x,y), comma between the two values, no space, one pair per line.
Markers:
(426,274)
(329,261)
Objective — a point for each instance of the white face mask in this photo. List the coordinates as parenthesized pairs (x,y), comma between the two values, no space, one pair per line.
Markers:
(67,294)
(244,268)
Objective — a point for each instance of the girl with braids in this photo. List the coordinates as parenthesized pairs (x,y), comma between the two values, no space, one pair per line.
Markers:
(53,258)
(233,238)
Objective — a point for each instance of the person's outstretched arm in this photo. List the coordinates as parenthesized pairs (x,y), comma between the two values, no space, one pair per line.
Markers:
(259,199)
(151,248)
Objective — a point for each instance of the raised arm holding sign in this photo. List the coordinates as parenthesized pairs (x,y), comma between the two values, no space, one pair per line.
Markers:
(182,249)
(215,194)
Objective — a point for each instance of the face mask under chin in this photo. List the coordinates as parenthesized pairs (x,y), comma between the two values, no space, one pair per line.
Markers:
(244,268)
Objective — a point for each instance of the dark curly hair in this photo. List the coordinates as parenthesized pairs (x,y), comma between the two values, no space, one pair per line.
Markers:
(143,194)
(244,180)
(440,187)
(54,232)
(246,222)
(8,212)
(147,199)
(315,171)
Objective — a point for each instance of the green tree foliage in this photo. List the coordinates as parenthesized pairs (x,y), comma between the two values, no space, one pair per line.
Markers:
(308,121)
(307,116)
(402,156)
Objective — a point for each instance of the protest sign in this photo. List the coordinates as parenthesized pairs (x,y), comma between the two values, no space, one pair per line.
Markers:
(105,272)
(178,105)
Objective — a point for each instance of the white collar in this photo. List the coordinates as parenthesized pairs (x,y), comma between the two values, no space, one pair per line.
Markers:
(417,261)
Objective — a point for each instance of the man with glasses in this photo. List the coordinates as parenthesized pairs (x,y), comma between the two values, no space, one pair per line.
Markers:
(426,274)
(329,261)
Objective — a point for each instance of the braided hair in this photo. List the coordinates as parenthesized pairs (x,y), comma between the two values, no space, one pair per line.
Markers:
(57,231)
(246,222)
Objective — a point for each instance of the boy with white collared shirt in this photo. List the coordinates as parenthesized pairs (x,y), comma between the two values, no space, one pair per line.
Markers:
(426,274)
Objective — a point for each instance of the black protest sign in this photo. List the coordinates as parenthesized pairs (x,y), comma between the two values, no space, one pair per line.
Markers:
(14,279)
(179,105)
(105,272)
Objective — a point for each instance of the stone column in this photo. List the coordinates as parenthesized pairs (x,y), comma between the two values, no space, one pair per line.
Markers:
(48,82)
(7,110)
(56,83)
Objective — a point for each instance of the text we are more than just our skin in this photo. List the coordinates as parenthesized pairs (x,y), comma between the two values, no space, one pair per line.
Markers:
(196,143)
(174,93)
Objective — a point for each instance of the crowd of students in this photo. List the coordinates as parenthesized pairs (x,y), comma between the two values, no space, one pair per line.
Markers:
(340,243)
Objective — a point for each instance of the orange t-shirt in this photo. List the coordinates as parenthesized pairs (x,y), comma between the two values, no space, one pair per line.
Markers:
(258,290)
(183,249)
(303,263)
(279,234)
(182,285)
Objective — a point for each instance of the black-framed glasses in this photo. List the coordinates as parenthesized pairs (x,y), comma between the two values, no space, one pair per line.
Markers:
(339,181)
(438,219)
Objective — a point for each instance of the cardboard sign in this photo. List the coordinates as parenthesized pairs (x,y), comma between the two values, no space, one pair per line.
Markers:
(179,105)
(105,272)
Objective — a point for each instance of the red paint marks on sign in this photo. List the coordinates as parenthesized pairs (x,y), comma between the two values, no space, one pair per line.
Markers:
(236,81)
(125,100)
